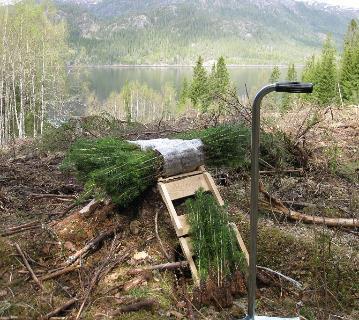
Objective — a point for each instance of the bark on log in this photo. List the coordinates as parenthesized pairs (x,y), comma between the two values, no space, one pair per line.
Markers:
(277,206)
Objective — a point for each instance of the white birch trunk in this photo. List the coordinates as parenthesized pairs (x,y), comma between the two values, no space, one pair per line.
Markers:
(42,115)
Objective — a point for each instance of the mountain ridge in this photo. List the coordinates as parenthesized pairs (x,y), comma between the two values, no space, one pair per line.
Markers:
(176,31)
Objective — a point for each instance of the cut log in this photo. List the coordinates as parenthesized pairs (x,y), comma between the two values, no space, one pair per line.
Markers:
(277,206)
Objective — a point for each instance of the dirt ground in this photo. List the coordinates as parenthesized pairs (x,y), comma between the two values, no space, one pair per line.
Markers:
(40,212)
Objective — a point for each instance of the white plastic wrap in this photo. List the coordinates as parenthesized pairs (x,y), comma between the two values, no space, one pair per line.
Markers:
(180,156)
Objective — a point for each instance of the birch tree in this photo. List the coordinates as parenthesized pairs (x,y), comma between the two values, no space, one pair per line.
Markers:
(32,54)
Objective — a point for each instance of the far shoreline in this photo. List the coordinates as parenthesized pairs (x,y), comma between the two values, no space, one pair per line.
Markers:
(165,66)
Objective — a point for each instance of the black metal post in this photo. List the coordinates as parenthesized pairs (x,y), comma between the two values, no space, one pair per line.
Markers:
(290,87)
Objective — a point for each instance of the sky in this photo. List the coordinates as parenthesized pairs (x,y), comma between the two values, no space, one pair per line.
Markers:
(344,3)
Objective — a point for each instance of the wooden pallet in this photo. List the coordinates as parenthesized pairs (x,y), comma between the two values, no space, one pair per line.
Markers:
(182,186)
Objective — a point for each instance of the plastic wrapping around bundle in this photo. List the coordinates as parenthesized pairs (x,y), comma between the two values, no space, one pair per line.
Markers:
(180,156)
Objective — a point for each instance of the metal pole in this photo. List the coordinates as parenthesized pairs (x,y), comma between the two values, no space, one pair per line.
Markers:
(290,87)
(254,198)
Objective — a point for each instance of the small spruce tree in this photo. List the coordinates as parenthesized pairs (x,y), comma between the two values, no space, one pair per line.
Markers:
(199,88)
(184,94)
(222,75)
(287,98)
(326,75)
(275,75)
(349,72)
(323,73)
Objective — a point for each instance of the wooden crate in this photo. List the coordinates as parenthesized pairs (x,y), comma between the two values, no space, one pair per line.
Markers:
(183,186)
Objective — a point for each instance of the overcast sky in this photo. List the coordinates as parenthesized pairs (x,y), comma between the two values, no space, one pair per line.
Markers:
(346,3)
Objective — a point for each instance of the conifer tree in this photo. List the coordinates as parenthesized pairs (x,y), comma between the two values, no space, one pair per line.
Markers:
(275,75)
(291,76)
(309,70)
(326,75)
(199,88)
(323,73)
(292,73)
(219,85)
(222,75)
(349,73)
(184,93)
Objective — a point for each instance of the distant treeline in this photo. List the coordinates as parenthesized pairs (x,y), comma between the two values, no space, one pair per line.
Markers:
(336,81)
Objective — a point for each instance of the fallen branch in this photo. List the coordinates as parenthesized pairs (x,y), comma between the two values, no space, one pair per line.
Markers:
(28,267)
(25,225)
(19,230)
(135,282)
(163,266)
(282,171)
(92,245)
(159,239)
(51,195)
(146,304)
(278,206)
(295,282)
(104,268)
(90,207)
(59,273)
(60,309)
(60,215)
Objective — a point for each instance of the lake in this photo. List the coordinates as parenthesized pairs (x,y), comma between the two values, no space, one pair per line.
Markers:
(105,80)
(102,81)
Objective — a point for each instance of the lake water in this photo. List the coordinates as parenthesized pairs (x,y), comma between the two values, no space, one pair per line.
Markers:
(105,80)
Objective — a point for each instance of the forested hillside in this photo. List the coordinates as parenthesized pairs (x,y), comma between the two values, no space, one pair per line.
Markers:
(177,31)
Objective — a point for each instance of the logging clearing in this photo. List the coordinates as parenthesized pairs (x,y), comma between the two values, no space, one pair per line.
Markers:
(93,256)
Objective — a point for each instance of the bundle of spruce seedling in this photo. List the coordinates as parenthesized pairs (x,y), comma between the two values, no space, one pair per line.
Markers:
(123,171)
(214,242)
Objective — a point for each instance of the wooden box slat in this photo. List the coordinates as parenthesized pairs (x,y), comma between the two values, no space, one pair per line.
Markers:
(187,251)
(182,186)
(187,186)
